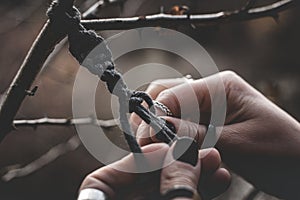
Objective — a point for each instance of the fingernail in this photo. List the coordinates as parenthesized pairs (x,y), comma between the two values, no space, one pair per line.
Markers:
(186,150)
(171,126)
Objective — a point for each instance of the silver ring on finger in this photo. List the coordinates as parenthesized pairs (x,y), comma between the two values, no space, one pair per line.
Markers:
(163,108)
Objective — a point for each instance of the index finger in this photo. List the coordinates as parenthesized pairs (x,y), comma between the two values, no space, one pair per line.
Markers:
(153,90)
(194,99)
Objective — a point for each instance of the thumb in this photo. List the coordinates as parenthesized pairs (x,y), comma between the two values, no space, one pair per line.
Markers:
(112,178)
(182,167)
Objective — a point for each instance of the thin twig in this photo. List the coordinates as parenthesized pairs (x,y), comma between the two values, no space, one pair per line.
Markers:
(99,4)
(169,20)
(65,122)
(44,44)
(249,4)
(59,150)
(15,171)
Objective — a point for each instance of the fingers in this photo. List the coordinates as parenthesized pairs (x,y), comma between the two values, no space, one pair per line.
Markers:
(188,97)
(187,128)
(210,160)
(143,134)
(213,180)
(158,86)
(216,184)
(218,91)
(227,138)
(109,178)
(181,169)
(146,135)
(191,100)
(153,90)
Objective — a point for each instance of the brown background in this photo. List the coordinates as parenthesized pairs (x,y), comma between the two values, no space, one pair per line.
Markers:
(262,51)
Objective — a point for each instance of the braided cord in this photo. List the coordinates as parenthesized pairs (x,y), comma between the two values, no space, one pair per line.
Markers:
(82,43)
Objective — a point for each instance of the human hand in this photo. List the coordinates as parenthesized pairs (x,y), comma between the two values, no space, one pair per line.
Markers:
(259,140)
(123,185)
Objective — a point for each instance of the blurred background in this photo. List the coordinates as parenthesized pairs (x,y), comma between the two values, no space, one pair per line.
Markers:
(263,51)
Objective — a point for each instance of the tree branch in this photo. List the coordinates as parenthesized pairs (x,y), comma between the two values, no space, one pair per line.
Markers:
(249,4)
(86,14)
(50,35)
(169,20)
(16,171)
(65,122)
(55,152)
(44,44)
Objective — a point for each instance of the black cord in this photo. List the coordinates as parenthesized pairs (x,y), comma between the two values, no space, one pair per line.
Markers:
(82,43)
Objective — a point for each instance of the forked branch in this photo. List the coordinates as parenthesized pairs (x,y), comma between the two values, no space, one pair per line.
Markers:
(55,152)
(44,44)
(168,20)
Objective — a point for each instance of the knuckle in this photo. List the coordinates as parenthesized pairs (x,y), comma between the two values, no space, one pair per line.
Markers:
(88,180)
(165,95)
(231,75)
(157,83)
(232,81)
(179,177)
(152,85)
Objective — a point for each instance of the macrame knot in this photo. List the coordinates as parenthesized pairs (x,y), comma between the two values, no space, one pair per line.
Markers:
(134,102)
(113,80)
(81,41)
(65,17)
(145,97)
(92,52)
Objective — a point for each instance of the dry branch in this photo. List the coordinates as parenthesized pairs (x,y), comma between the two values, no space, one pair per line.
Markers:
(42,47)
(44,44)
(168,20)
(60,46)
(15,171)
(61,149)
(65,122)
(50,35)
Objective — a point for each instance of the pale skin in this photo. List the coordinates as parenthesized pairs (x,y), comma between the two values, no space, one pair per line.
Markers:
(259,140)
(207,176)
(122,185)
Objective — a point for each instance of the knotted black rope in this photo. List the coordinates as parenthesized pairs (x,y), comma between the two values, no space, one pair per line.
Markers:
(99,62)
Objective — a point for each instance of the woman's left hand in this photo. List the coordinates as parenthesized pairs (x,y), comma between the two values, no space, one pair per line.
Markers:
(123,185)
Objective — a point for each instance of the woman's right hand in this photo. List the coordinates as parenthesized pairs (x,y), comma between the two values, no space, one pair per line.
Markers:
(259,141)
